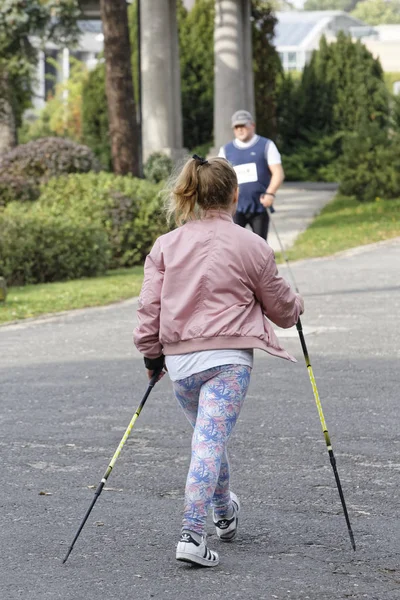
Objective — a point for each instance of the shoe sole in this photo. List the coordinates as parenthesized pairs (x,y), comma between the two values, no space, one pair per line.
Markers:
(196,560)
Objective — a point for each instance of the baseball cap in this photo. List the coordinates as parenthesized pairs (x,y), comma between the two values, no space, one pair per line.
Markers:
(241,117)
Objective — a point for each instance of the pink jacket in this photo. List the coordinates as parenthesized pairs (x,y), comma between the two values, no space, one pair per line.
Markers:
(209,285)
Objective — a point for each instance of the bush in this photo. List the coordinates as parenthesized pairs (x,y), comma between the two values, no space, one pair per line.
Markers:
(14,188)
(129,209)
(158,167)
(371,165)
(36,247)
(48,157)
(315,160)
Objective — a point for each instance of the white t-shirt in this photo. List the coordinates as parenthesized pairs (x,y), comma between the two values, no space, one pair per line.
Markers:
(272,155)
(181,366)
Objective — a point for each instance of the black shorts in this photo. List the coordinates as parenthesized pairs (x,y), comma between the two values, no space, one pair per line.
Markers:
(258,222)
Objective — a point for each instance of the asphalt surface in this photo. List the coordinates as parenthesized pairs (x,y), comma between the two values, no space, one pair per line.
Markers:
(69,386)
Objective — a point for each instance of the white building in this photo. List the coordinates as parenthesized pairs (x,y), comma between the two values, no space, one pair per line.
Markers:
(298,33)
(87,51)
(384,43)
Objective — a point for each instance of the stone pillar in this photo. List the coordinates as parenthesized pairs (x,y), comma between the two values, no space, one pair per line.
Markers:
(39,87)
(160,79)
(233,87)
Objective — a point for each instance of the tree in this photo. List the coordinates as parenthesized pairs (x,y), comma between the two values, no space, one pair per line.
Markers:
(95,125)
(377,12)
(267,68)
(119,88)
(20,22)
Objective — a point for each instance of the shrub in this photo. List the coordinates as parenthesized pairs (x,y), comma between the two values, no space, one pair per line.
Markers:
(371,165)
(158,167)
(17,188)
(47,157)
(36,247)
(129,209)
(315,160)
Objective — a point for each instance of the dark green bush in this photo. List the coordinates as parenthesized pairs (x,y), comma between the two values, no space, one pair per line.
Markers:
(48,157)
(14,188)
(315,160)
(370,166)
(129,209)
(158,167)
(36,247)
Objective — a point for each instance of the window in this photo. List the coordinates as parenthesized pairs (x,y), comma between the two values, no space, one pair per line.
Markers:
(289,60)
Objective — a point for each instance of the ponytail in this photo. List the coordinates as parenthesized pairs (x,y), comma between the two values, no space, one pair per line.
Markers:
(201,185)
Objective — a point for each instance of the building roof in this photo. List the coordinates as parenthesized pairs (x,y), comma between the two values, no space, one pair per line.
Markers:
(295,27)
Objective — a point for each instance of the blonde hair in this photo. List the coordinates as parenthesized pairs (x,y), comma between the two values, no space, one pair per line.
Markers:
(201,185)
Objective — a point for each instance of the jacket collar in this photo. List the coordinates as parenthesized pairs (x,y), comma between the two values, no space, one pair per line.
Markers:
(218,213)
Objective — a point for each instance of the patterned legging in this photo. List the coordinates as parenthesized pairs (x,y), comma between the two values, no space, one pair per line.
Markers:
(211,401)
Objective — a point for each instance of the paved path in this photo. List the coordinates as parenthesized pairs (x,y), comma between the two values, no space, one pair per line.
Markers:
(296,206)
(70,384)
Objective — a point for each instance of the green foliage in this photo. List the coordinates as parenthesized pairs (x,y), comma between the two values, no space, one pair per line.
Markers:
(341,90)
(16,188)
(316,160)
(371,165)
(95,116)
(129,210)
(20,21)
(36,247)
(196,34)
(267,68)
(62,114)
(158,167)
(48,157)
(378,12)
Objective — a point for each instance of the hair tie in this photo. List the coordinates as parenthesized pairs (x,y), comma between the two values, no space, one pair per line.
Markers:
(202,161)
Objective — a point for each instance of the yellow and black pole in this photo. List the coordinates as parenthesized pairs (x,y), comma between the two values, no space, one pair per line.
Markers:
(106,475)
(325,430)
(317,399)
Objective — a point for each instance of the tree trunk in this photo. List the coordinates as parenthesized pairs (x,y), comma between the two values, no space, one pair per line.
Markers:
(124,131)
(8,130)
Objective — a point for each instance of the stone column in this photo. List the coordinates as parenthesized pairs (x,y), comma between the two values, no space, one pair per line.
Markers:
(233,87)
(160,79)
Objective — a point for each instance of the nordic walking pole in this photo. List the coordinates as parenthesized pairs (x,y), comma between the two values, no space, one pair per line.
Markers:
(106,475)
(317,399)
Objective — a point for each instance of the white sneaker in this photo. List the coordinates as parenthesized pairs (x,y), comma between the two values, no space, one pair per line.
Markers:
(227,528)
(191,551)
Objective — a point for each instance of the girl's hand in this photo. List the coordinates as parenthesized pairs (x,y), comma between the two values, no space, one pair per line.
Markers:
(151,373)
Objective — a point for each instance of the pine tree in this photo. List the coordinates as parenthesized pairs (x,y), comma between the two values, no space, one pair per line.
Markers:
(267,68)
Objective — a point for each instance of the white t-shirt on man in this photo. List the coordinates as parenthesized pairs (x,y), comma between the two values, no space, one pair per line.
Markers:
(272,154)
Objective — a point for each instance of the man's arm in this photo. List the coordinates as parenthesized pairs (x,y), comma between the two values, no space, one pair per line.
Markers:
(273,159)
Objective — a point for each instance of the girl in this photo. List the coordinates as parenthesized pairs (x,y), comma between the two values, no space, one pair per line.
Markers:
(208,287)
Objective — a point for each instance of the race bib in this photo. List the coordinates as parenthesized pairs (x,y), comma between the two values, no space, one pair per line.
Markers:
(246,173)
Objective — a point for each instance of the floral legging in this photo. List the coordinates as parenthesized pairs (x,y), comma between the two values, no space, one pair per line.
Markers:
(211,401)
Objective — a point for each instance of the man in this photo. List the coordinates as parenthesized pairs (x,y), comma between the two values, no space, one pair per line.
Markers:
(258,167)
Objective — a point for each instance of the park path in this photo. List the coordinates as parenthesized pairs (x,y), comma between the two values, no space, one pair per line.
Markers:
(296,206)
(69,385)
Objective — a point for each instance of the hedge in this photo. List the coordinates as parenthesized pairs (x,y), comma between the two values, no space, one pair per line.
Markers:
(36,247)
(48,157)
(129,209)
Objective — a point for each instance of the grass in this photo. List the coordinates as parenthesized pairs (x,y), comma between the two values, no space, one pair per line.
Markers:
(346,223)
(342,224)
(34,300)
